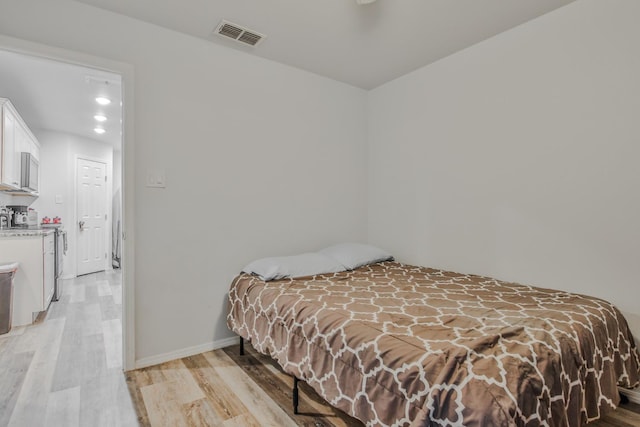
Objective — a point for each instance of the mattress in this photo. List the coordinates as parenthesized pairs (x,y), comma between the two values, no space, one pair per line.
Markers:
(400,345)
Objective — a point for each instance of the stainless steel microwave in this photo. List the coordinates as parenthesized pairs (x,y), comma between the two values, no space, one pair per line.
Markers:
(29,173)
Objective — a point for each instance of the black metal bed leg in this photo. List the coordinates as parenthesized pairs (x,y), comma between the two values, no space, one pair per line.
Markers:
(623,399)
(295,395)
(241,346)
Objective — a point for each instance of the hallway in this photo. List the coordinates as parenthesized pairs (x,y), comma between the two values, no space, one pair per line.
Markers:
(66,370)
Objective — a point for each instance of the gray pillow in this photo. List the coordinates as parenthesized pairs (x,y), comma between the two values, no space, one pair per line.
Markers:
(307,264)
(354,255)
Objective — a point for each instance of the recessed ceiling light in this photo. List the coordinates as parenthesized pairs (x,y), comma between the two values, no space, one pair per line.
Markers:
(100,117)
(99,131)
(103,101)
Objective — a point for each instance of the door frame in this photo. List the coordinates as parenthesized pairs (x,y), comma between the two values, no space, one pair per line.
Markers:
(108,205)
(126,71)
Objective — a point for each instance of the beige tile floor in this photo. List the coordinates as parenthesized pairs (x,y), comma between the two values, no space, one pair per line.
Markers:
(66,370)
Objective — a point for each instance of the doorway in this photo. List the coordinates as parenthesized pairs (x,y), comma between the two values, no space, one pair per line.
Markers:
(65,194)
(92,216)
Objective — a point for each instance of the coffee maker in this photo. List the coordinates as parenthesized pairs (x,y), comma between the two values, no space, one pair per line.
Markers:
(20,217)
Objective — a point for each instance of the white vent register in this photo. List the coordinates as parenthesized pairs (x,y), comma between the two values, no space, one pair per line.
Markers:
(239,33)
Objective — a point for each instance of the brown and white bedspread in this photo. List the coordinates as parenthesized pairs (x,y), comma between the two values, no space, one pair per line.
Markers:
(397,345)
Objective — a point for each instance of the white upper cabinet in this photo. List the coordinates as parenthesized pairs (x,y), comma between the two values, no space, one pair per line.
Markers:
(15,138)
(34,149)
(10,163)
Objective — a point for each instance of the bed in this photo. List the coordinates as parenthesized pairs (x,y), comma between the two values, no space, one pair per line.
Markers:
(399,345)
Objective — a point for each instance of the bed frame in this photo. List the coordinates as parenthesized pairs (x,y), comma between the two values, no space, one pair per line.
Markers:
(240,320)
(294,392)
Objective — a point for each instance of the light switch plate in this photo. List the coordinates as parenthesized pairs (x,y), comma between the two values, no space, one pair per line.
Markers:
(58,199)
(156,178)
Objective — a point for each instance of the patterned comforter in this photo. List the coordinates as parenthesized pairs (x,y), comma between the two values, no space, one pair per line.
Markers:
(398,345)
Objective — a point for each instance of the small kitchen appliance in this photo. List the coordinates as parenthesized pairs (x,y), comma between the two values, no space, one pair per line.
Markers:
(20,217)
(5,218)
(32,218)
(29,173)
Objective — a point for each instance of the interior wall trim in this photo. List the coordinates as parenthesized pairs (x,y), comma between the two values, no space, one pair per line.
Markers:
(126,71)
(186,352)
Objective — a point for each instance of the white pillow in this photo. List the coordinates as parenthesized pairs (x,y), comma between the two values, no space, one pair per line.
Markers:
(308,264)
(354,255)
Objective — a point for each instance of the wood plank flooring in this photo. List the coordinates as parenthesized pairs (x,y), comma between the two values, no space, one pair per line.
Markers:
(222,388)
(66,369)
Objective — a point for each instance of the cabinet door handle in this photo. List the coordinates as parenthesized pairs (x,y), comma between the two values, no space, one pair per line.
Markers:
(81,224)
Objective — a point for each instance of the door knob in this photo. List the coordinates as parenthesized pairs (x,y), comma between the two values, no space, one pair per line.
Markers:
(81,224)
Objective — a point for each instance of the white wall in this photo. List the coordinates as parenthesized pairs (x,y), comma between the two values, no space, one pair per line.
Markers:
(6,199)
(260,159)
(58,157)
(514,158)
(518,157)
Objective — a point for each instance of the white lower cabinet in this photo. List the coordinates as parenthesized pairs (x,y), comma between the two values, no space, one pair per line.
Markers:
(34,281)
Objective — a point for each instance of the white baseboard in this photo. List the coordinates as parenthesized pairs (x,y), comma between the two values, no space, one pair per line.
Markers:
(185,352)
(633,394)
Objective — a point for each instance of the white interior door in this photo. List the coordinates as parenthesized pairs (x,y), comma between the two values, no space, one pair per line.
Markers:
(92,216)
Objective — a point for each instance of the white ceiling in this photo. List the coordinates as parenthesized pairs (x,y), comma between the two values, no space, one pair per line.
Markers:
(61,97)
(364,46)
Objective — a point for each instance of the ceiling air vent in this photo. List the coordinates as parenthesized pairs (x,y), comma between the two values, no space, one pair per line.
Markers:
(239,33)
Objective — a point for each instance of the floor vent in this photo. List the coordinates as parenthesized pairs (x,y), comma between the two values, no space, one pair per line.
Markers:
(239,33)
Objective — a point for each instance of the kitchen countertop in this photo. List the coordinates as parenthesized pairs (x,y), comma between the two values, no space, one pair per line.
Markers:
(25,232)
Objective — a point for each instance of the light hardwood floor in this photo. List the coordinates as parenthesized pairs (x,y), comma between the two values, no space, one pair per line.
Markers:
(66,370)
(222,388)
